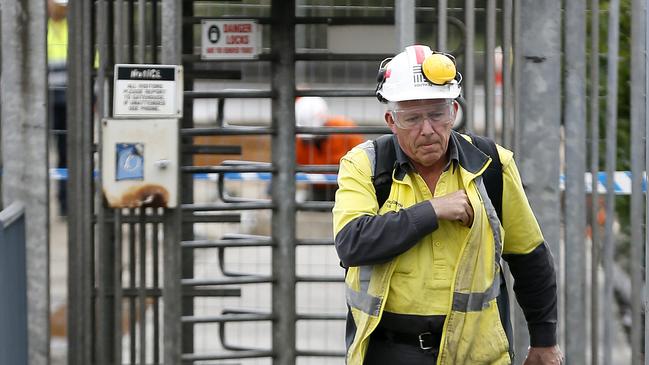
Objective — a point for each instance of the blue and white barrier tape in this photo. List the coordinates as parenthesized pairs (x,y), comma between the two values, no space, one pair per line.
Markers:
(62,174)
(622,179)
(266,176)
(621,182)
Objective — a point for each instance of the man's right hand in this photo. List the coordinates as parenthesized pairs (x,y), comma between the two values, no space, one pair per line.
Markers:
(454,207)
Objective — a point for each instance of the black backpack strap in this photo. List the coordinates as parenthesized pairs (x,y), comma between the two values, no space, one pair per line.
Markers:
(384,160)
(493,175)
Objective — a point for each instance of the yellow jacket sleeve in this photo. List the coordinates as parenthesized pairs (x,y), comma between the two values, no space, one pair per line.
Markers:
(355,195)
(522,231)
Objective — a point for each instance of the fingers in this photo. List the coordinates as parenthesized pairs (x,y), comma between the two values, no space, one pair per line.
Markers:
(469,215)
(455,207)
(463,216)
(466,215)
(465,212)
(544,356)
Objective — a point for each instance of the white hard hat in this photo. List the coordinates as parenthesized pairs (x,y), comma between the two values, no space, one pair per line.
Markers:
(61,2)
(311,111)
(418,73)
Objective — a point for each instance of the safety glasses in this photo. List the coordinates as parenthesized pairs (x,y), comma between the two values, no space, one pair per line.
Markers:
(437,114)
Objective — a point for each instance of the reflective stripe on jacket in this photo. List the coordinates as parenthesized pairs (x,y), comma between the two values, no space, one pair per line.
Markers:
(473,333)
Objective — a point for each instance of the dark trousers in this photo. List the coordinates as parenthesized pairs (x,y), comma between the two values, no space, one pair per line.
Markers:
(58,122)
(383,351)
(399,339)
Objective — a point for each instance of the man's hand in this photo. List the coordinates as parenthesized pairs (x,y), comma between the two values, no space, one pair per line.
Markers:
(454,207)
(544,356)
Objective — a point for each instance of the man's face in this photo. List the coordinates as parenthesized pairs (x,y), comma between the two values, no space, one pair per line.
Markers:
(56,11)
(423,128)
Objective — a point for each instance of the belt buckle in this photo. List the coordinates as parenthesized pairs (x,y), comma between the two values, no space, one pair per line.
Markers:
(421,341)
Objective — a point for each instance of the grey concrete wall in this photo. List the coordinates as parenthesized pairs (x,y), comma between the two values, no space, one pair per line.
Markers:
(23,95)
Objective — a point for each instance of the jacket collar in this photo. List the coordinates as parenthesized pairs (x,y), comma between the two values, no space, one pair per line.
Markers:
(404,166)
(461,152)
(470,157)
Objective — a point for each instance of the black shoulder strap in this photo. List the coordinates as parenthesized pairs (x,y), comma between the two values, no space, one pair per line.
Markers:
(384,160)
(493,175)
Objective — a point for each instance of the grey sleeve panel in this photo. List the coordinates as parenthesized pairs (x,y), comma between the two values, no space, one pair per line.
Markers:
(369,240)
(535,285)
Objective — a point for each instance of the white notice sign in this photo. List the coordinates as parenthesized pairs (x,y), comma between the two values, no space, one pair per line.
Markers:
(148,91)
(229,39)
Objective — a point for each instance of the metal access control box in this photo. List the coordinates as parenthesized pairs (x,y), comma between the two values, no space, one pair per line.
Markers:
(140,162)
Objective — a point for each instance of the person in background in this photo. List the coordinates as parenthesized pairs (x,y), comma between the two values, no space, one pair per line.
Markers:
(424,268)
(57,52)
(311,149)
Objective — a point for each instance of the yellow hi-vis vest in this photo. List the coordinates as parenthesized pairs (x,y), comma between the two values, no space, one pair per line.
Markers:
(473,333)
(57,52)
(57,40)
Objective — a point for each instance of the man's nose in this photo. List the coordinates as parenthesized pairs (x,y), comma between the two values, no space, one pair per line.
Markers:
(427,127)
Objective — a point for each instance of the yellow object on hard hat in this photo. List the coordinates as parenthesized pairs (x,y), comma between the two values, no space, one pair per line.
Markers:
(418,73)
(438,68)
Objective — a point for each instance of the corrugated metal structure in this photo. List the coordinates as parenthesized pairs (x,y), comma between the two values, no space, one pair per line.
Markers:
(13,285)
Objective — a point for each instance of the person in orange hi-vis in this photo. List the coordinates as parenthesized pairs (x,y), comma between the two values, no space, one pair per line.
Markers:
(321,149)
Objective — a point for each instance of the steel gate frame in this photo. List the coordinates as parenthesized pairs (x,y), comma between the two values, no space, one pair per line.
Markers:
(283,237)
(95,333)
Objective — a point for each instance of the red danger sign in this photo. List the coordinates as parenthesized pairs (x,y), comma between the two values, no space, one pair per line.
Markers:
(229,39)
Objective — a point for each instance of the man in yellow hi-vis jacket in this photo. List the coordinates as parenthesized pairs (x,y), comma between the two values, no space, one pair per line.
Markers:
(57,77)
(424,268)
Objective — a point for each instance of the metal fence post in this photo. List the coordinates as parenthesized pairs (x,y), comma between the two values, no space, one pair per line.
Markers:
(539,103)
(574,117)
(106,336)
(638,113)
(646,212)
(172,289)
(516,76)
(80,181)
(23,95)
(171,30)
(489,70)
(611,151)
(404,20)
(186,180)
(469,63)
(594,169)
(442,31)
(283,184)
(507,72)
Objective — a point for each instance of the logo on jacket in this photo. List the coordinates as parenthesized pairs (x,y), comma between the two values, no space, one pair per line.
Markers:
(393,204)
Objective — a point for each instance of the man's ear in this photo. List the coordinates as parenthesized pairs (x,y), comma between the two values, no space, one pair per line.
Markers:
(456,106)
(389,121)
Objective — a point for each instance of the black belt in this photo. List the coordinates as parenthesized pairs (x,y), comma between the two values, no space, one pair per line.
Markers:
(427,341)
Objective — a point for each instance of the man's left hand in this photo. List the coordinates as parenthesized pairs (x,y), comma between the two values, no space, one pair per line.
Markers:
(544,356)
